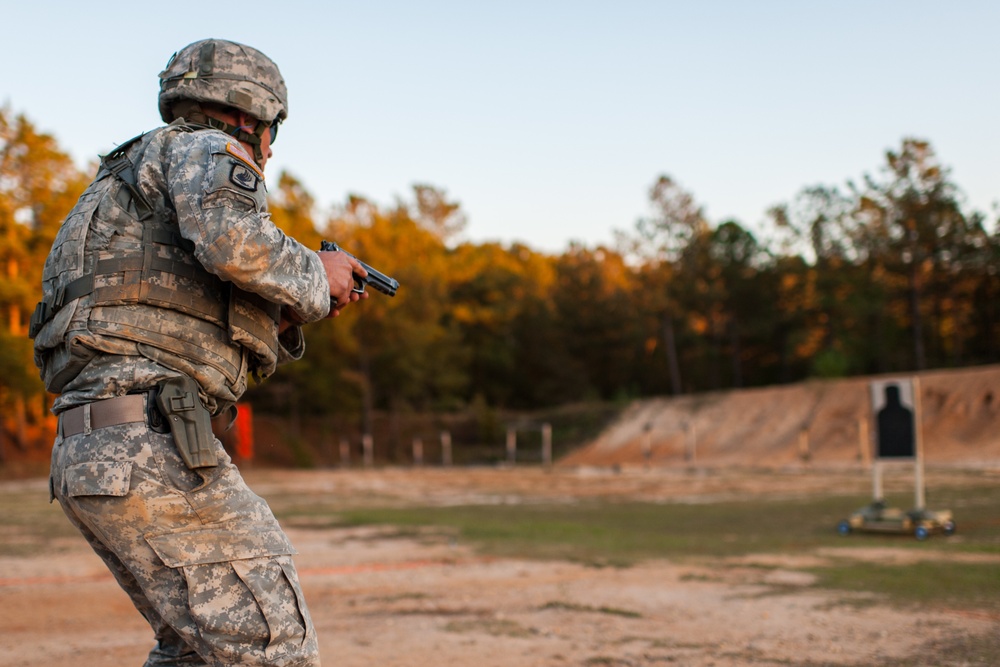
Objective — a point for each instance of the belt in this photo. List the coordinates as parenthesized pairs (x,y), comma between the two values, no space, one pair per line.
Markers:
(99,414)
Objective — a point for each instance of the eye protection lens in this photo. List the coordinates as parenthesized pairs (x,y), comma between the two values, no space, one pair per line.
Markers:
(273,127)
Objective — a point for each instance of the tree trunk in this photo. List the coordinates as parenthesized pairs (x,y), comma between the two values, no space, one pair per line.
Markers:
(919,356)
(367,400)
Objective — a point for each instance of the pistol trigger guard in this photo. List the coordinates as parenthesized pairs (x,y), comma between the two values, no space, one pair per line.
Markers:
(359,287)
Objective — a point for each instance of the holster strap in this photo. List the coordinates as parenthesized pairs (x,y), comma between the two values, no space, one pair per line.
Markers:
(99,414)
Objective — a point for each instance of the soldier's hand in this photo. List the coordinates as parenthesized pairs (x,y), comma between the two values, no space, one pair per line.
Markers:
(340,269)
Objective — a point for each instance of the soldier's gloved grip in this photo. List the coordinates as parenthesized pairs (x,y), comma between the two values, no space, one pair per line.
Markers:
(189,421)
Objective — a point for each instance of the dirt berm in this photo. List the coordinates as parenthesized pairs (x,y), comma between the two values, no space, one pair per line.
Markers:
(826,422)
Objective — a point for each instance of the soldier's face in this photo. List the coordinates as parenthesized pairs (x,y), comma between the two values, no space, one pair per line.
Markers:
(250,124)
(265,148)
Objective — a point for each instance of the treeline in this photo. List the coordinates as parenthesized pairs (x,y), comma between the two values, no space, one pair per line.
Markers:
(888,274)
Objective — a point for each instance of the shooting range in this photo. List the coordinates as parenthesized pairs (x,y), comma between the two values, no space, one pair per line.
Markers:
(898,443)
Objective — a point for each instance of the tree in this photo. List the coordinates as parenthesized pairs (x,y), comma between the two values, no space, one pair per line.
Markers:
(922,237)
(38,186)
(819,224)
(408,351)
(592,298)
(666,240)
(492,291)
(435,213)
(737,256)
(822,223)
(676,222)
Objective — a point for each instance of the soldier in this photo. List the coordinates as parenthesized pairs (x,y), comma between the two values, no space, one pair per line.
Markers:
(166,286)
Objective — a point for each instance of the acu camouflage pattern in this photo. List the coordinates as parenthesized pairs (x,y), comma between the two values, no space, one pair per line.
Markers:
(205,190)
(225,73)
(201,556)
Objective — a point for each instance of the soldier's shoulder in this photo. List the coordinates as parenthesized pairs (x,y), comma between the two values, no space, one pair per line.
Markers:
(186,137)
(206,142)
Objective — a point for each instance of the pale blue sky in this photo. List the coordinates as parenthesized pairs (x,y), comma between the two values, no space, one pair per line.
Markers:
(549,121)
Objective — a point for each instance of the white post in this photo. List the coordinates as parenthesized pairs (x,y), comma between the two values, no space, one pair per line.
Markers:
(918,459)
(877,480)
(418,452)
(692,441)
(546,444)
(345,452)
(511,445)
(445,448)
(864,443)
(369,449)
(647,444)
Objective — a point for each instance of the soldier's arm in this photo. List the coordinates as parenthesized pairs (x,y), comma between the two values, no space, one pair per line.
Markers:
(220,200)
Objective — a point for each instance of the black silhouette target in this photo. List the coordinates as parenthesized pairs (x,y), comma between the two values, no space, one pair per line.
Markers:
(895,424)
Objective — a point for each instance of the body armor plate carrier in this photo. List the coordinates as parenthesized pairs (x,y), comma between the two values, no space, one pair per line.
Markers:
(120,279)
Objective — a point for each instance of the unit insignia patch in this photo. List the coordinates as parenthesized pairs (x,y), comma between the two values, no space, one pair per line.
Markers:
(244,177)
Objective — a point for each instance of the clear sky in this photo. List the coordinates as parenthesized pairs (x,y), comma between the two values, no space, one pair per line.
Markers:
(549,120)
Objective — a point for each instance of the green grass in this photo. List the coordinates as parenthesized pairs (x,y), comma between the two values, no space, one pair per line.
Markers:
(611,611)
(622,534)
(619,533)
(627,532)
(935,583)
(610,534)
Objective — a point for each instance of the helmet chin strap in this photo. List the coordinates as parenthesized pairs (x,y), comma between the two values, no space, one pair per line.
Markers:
(240,134)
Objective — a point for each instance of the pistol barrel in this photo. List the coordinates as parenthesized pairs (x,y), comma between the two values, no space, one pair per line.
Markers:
(375,278)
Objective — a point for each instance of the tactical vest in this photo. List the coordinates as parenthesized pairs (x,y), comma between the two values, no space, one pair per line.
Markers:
(120,279)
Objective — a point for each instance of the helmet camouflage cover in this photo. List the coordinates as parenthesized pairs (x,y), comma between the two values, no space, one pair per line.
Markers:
(226,73)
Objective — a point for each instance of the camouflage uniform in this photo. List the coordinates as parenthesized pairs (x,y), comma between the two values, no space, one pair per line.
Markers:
(201,555)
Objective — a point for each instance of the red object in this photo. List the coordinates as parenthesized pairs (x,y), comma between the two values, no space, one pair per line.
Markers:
(243,433)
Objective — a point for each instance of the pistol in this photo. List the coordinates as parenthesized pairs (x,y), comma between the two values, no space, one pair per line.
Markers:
(375,278)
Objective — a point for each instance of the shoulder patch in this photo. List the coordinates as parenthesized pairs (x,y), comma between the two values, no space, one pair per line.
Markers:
(244,174)
(243,177)
(237,152)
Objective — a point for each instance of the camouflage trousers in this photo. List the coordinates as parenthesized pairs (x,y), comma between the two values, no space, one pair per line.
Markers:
(201,555)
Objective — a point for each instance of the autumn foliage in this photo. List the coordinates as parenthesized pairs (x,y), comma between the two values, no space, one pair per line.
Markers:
(889,274)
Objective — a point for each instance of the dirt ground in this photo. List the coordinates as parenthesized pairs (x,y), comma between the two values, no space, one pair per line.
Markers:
(378,599)
(826,422)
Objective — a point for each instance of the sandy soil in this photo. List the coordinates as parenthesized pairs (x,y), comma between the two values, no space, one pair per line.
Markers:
(378,599)
(826,422)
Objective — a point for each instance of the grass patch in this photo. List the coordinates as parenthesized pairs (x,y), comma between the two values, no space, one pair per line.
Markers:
(401,597)
(621,534)
(616,534)
(569,606)
(498,627)
(607,661)
(605,534)
(937,583)
(625,533)
(966,651)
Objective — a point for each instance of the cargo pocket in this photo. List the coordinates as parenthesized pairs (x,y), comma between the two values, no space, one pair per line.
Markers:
(272,583)
(242,591)
(98,478)
(218,543)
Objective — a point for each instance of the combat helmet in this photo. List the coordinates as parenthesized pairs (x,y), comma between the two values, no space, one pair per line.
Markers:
(221,72)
